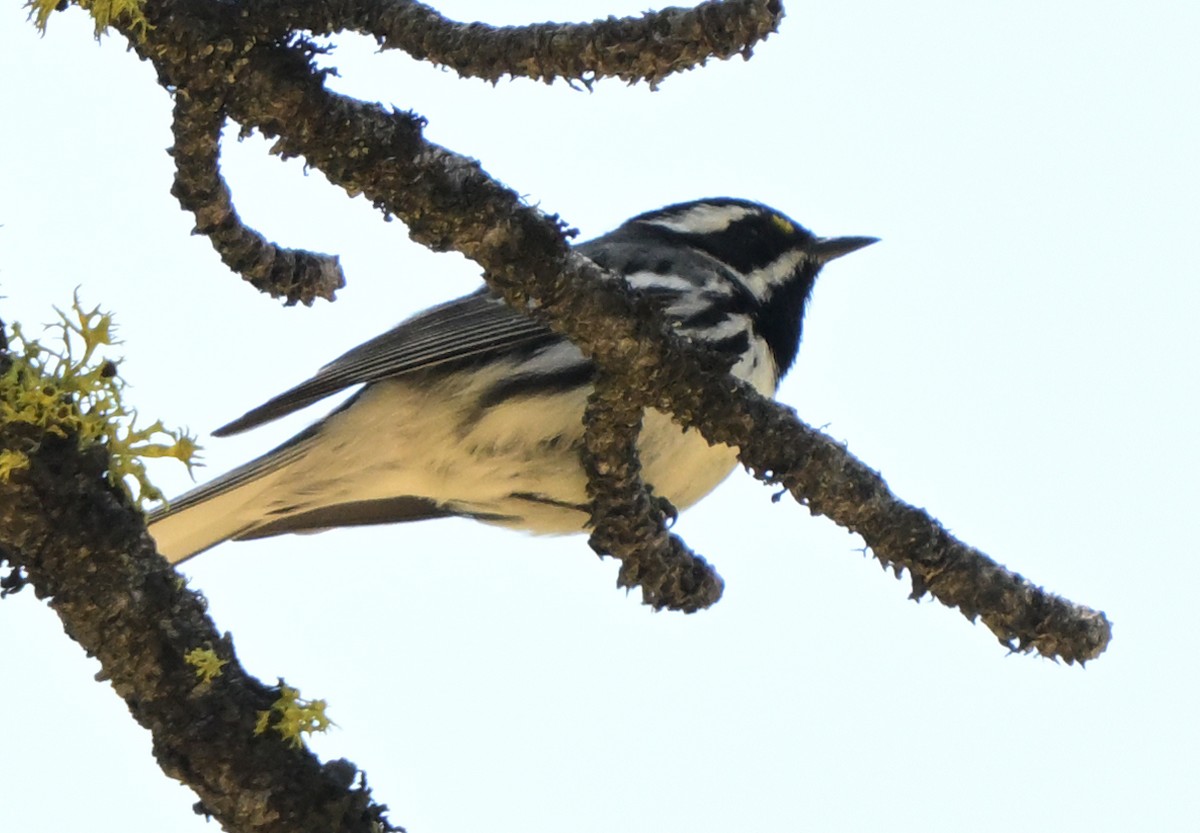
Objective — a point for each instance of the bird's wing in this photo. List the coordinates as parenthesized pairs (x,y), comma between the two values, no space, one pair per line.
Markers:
(472,327)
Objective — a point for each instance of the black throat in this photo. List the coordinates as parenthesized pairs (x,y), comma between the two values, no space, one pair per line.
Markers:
(780,318)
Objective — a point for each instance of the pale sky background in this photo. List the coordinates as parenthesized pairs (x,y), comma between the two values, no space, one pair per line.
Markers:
(1018,355)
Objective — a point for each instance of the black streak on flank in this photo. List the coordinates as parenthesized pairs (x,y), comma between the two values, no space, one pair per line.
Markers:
(539,384)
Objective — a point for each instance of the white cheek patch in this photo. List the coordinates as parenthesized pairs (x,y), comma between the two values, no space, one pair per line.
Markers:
(762,282)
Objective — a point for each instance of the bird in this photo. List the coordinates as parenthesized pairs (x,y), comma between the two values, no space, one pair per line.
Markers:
(474,409)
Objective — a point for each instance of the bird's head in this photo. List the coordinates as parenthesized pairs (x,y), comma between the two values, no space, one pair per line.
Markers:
(771,258)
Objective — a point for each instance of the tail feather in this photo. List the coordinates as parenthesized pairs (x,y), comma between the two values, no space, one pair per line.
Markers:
(194,528)
(226,508)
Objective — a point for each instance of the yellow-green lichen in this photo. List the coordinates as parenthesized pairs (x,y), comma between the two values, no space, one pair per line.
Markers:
(293,717)
(73,392)
(206,662)
(11,461)
(103,12)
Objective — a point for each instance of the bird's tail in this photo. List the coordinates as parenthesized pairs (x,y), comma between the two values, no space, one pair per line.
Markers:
(229,507)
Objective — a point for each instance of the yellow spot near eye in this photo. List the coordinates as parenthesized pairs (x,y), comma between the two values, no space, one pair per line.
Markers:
(784,224)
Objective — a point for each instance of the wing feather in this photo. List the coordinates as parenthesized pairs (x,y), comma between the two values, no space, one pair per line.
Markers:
(474,326)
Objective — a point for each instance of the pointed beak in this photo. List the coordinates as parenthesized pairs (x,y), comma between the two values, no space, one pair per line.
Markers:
(831,248)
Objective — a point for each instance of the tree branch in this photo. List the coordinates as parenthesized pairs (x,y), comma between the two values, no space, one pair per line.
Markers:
(648,47)
(292,274)
(628,522)
(87,551)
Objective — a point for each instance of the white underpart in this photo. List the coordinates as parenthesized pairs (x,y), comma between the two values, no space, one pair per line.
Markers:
(401,439)
(476,464)
(703,218)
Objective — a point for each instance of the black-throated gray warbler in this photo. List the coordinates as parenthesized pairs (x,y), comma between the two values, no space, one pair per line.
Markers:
(473,409)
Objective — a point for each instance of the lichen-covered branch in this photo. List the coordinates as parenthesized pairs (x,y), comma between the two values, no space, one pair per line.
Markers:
(628,522)
(645,48)
(291,274)
(822,475)
(83,547)
(648,47)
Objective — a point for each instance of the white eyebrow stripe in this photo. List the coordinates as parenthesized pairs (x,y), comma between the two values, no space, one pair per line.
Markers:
(703,219)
